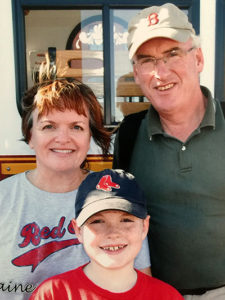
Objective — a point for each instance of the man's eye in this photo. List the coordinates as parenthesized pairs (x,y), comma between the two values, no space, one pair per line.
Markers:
(173,53)
(147,60)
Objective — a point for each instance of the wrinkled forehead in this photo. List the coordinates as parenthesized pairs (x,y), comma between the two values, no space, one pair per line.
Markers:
(160,45)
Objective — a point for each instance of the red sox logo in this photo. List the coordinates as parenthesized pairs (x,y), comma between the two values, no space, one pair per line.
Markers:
(106,184)
(153,19)
(33,234)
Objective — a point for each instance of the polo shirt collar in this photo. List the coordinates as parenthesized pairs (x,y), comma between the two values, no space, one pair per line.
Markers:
(153,121)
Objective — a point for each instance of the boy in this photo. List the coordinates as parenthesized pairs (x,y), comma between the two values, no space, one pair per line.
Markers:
(111,222)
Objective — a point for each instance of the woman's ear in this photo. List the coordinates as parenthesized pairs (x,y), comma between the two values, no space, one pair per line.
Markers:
(77,230)
(30,144)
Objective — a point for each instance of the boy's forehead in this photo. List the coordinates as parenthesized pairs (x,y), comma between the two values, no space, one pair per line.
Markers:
(111,211)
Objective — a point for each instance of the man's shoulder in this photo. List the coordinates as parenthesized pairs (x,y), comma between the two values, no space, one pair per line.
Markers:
(135,116)
(132,122)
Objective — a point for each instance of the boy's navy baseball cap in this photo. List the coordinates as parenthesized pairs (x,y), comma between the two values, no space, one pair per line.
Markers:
(109,189)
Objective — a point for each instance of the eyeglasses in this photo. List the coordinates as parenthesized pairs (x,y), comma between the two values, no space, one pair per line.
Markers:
(170,58)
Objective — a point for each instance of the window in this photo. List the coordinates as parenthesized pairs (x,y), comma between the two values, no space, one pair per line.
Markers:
(100,29)
(220,52)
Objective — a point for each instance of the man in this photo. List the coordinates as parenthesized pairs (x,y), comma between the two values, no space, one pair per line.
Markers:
(177,154)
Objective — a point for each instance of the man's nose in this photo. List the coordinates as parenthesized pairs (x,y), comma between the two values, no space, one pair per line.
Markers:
(161,69)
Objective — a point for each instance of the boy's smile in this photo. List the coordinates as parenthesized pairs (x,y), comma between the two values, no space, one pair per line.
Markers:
(113,248)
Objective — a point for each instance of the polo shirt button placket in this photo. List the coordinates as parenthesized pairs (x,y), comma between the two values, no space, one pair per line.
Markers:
(185,162)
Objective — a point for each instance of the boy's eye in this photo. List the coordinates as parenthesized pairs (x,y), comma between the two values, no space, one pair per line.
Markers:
(127,220)
(96,221)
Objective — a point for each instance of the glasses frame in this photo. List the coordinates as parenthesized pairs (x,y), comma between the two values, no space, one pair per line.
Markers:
(165,58)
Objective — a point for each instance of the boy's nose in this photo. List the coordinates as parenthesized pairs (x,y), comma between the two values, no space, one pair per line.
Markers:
(113,231)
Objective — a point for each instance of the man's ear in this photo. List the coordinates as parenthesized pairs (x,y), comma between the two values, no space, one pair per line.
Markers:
(199,59)
(136,79)
(77,230)
(145,227)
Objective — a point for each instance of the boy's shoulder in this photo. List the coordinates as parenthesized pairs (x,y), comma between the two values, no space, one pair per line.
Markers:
(58,287)
(157,288)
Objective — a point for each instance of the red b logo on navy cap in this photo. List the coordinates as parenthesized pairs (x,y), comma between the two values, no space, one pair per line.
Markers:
(106,184)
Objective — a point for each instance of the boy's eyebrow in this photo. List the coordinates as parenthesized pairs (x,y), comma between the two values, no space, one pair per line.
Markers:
(100,213)
(97,214)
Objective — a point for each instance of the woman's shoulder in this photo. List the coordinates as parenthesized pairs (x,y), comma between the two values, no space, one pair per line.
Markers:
(10,184)
(12,179)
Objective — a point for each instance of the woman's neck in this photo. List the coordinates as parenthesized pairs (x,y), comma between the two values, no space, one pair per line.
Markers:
(57,182)
(114,280)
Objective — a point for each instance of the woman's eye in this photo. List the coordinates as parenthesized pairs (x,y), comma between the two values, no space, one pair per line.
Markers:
(77,127)
(49,126)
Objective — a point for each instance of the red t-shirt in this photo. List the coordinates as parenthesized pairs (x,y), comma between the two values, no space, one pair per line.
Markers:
(75,285)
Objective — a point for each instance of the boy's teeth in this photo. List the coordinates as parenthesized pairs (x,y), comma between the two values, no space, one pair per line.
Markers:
(165,87)
(113,248)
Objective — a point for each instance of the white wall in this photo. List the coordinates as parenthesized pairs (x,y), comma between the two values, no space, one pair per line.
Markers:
(10,121)
(207,33)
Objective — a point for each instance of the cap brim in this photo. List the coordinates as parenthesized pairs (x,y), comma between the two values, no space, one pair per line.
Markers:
(181,35)
(114,203)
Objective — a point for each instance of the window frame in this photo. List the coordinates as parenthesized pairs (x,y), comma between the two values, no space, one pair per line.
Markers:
(220,51)
(18,7)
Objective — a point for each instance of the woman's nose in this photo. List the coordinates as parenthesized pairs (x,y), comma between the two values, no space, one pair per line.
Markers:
(62,136)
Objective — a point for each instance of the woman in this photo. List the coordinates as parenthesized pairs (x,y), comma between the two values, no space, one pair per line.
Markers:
(37,239)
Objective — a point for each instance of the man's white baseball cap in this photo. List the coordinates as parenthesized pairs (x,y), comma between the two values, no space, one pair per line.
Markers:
(166,21)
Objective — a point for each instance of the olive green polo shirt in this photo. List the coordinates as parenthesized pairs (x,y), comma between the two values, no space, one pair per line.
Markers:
(184,183)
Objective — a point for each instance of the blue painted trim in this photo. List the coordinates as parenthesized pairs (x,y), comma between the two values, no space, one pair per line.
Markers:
(220,51)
